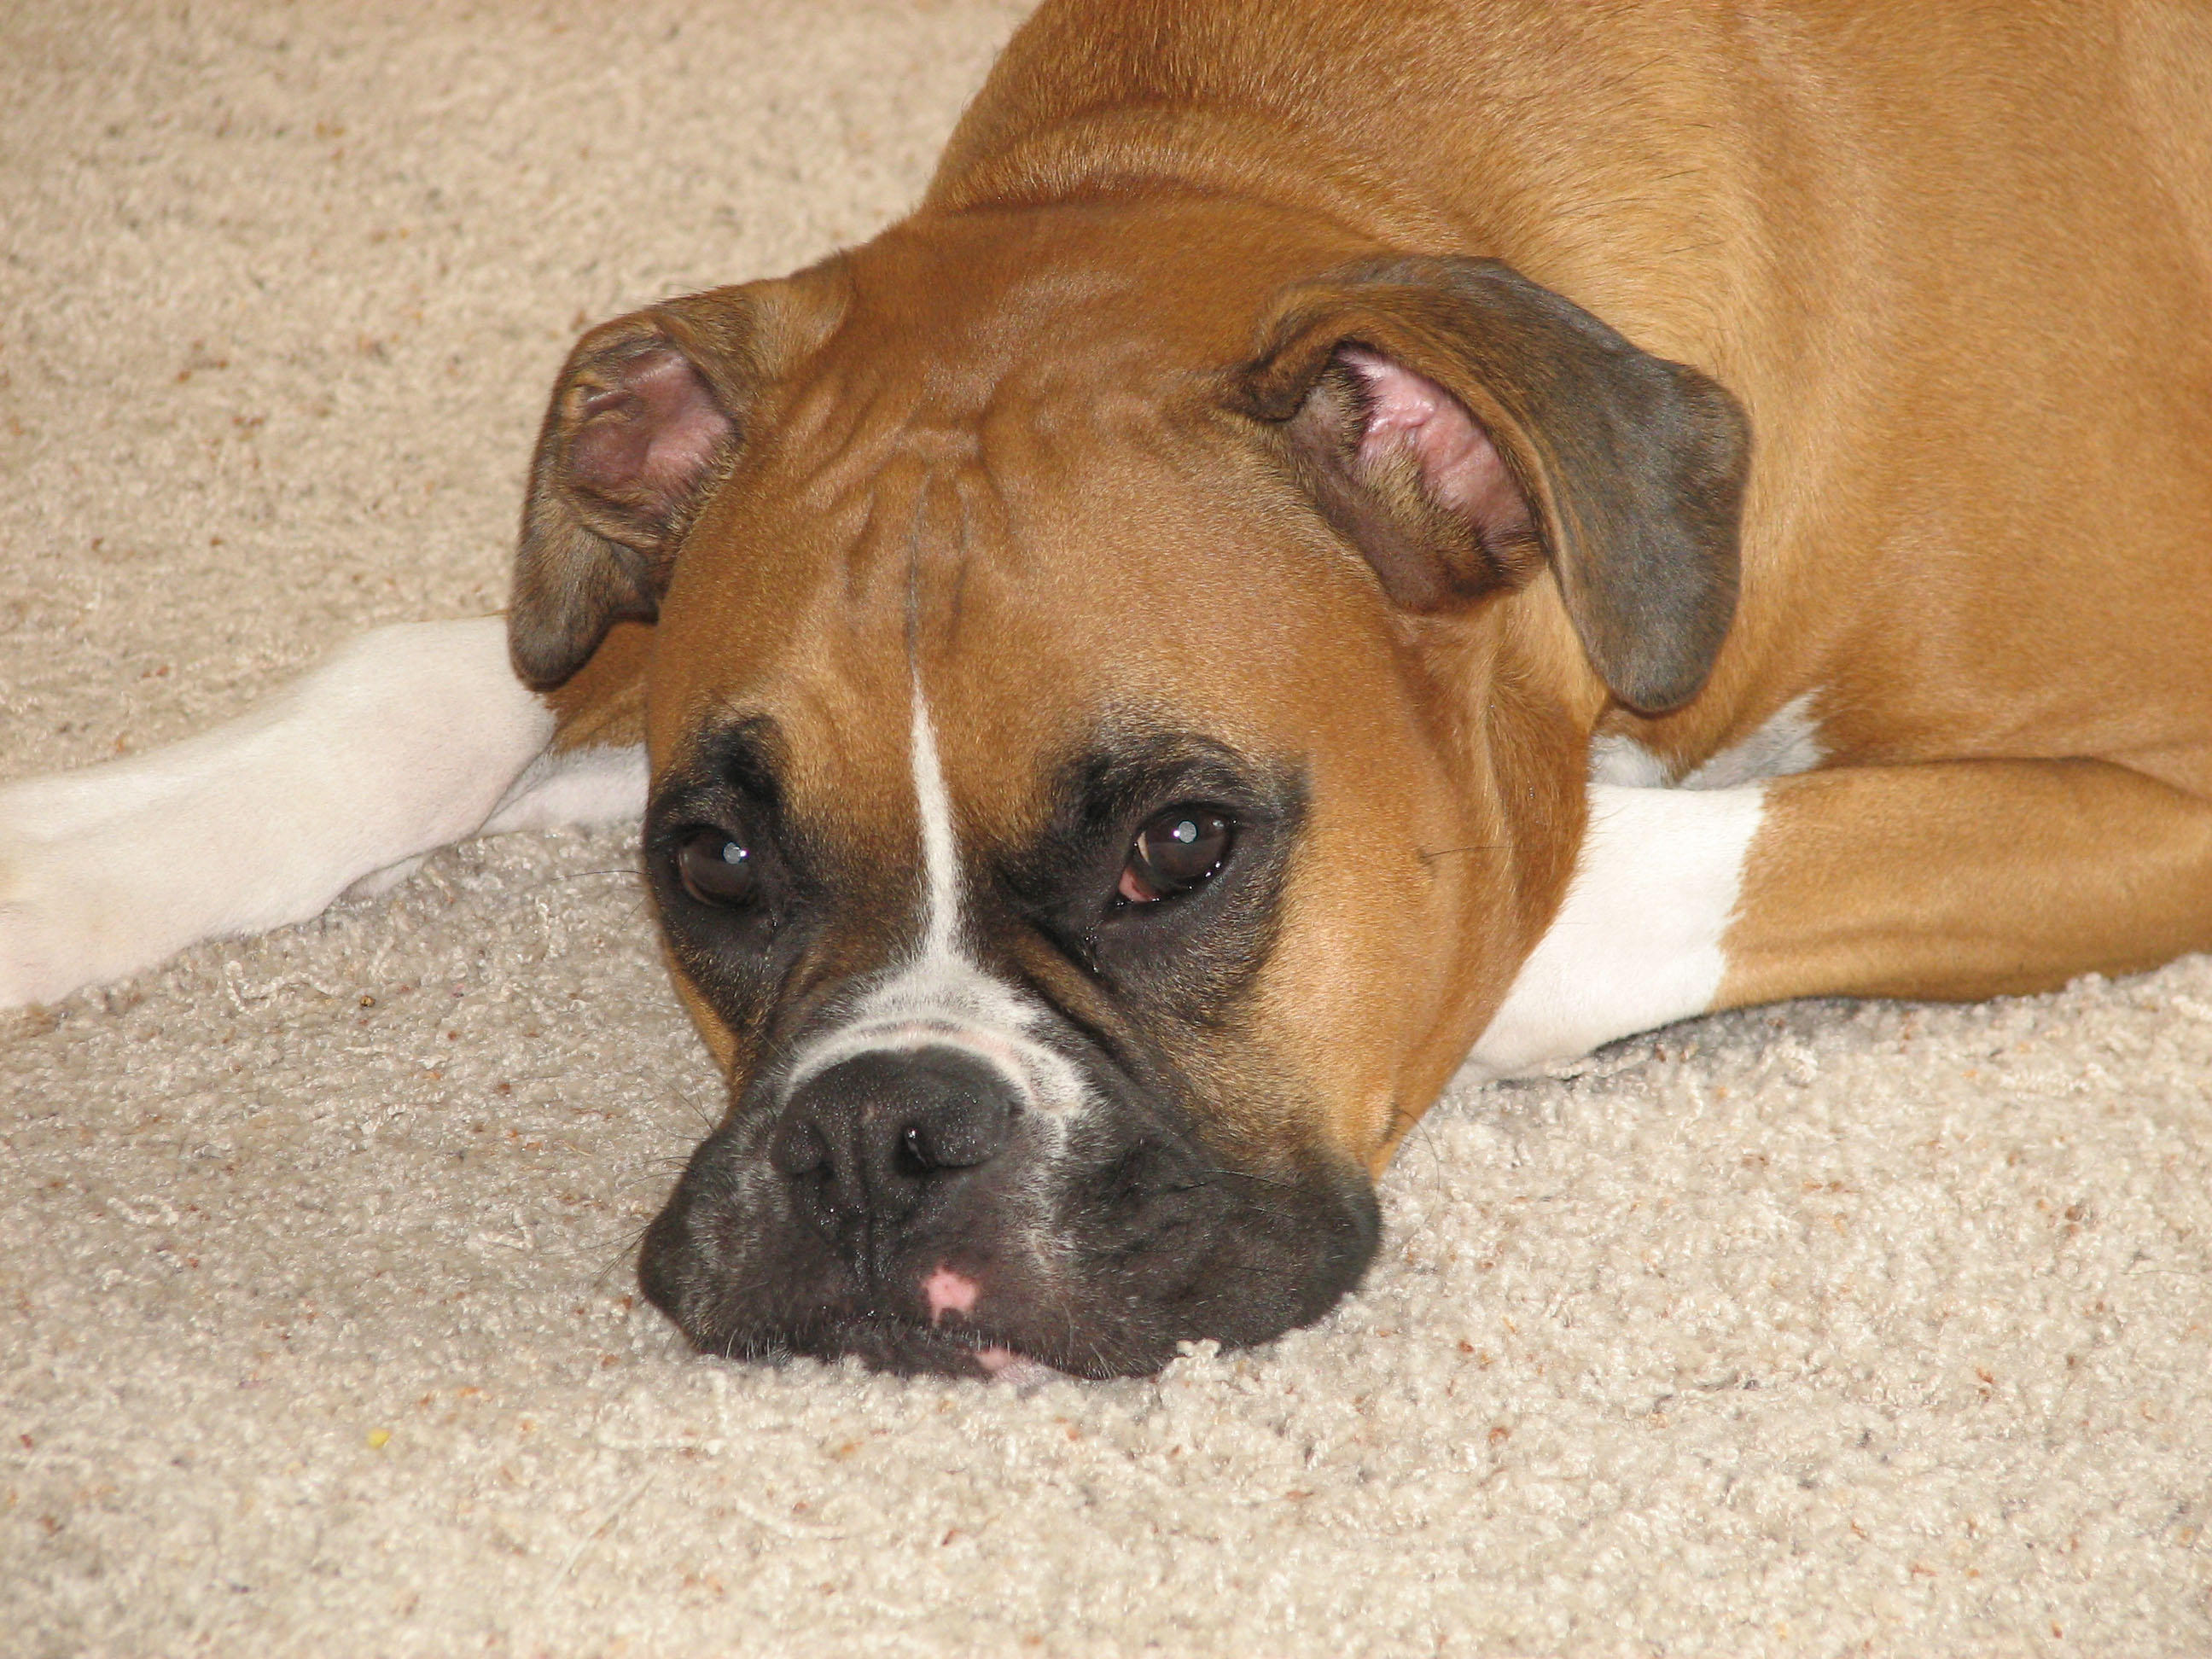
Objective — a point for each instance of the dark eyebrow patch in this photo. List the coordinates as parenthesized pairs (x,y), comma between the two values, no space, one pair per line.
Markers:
(1127,769)
(745,759)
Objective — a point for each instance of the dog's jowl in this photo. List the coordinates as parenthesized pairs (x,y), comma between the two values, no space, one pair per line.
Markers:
(1342,536)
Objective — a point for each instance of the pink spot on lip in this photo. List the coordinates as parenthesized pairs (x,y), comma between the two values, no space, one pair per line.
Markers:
(947,1291)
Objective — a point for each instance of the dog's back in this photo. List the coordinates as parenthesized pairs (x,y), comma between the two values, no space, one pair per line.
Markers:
(1956,263)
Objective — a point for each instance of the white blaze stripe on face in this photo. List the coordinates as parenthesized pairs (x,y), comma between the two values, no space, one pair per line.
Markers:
(1638,943)
(941,997)
(940,856)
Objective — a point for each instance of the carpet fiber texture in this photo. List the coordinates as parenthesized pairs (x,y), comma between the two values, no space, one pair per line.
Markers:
(1823,1329)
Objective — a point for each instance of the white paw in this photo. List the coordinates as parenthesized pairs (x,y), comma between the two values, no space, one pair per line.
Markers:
(57,930)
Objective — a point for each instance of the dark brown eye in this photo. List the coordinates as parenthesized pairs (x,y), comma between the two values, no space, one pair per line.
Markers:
(715,868)
(1177,850)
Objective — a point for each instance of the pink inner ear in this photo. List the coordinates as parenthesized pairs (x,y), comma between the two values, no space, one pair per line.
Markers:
(653,431)
(1461,469)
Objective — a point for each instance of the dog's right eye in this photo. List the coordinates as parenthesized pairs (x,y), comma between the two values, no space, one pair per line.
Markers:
(716,868)
(1176,852)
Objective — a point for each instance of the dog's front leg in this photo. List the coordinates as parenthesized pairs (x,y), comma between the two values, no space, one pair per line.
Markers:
(1953,881)
(409,739)
(1966,879)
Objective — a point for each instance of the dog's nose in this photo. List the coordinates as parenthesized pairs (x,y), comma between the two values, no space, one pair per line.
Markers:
(871,1136)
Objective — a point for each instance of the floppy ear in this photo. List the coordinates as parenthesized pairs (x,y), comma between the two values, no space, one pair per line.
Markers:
(644,416)
(1459,425)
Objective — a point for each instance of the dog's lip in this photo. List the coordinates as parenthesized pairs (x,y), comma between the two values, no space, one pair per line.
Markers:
(1009,1365)
(965,1350)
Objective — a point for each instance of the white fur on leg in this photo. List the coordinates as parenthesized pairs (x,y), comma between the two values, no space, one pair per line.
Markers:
(408,739)
(1638,943)
(574,787)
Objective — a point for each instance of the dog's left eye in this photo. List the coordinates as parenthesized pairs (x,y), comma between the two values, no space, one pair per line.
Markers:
(1176,852)
(716,868)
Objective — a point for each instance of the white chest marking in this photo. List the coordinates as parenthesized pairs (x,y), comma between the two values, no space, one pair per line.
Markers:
(940,996)
(1638,943)
(1789,743)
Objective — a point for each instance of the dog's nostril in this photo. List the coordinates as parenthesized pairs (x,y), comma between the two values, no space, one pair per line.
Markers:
(914,1146)
(799,1149)
(969,1134)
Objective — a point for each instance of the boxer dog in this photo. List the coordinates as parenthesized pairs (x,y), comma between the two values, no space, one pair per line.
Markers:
(1342,534)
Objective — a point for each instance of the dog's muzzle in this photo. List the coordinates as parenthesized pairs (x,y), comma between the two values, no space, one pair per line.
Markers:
(913,1207)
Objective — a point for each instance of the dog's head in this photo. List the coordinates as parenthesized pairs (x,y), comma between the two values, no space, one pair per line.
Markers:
(1116,710)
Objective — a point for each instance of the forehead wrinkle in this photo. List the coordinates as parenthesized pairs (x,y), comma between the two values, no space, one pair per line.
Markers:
(914,533)
(873,557)
(941,545)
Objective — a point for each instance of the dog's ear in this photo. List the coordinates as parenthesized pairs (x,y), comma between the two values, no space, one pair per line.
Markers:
(1459,425)
(644,417)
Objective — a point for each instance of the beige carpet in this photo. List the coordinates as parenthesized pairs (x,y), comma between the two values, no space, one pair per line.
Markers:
(1829,1329)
